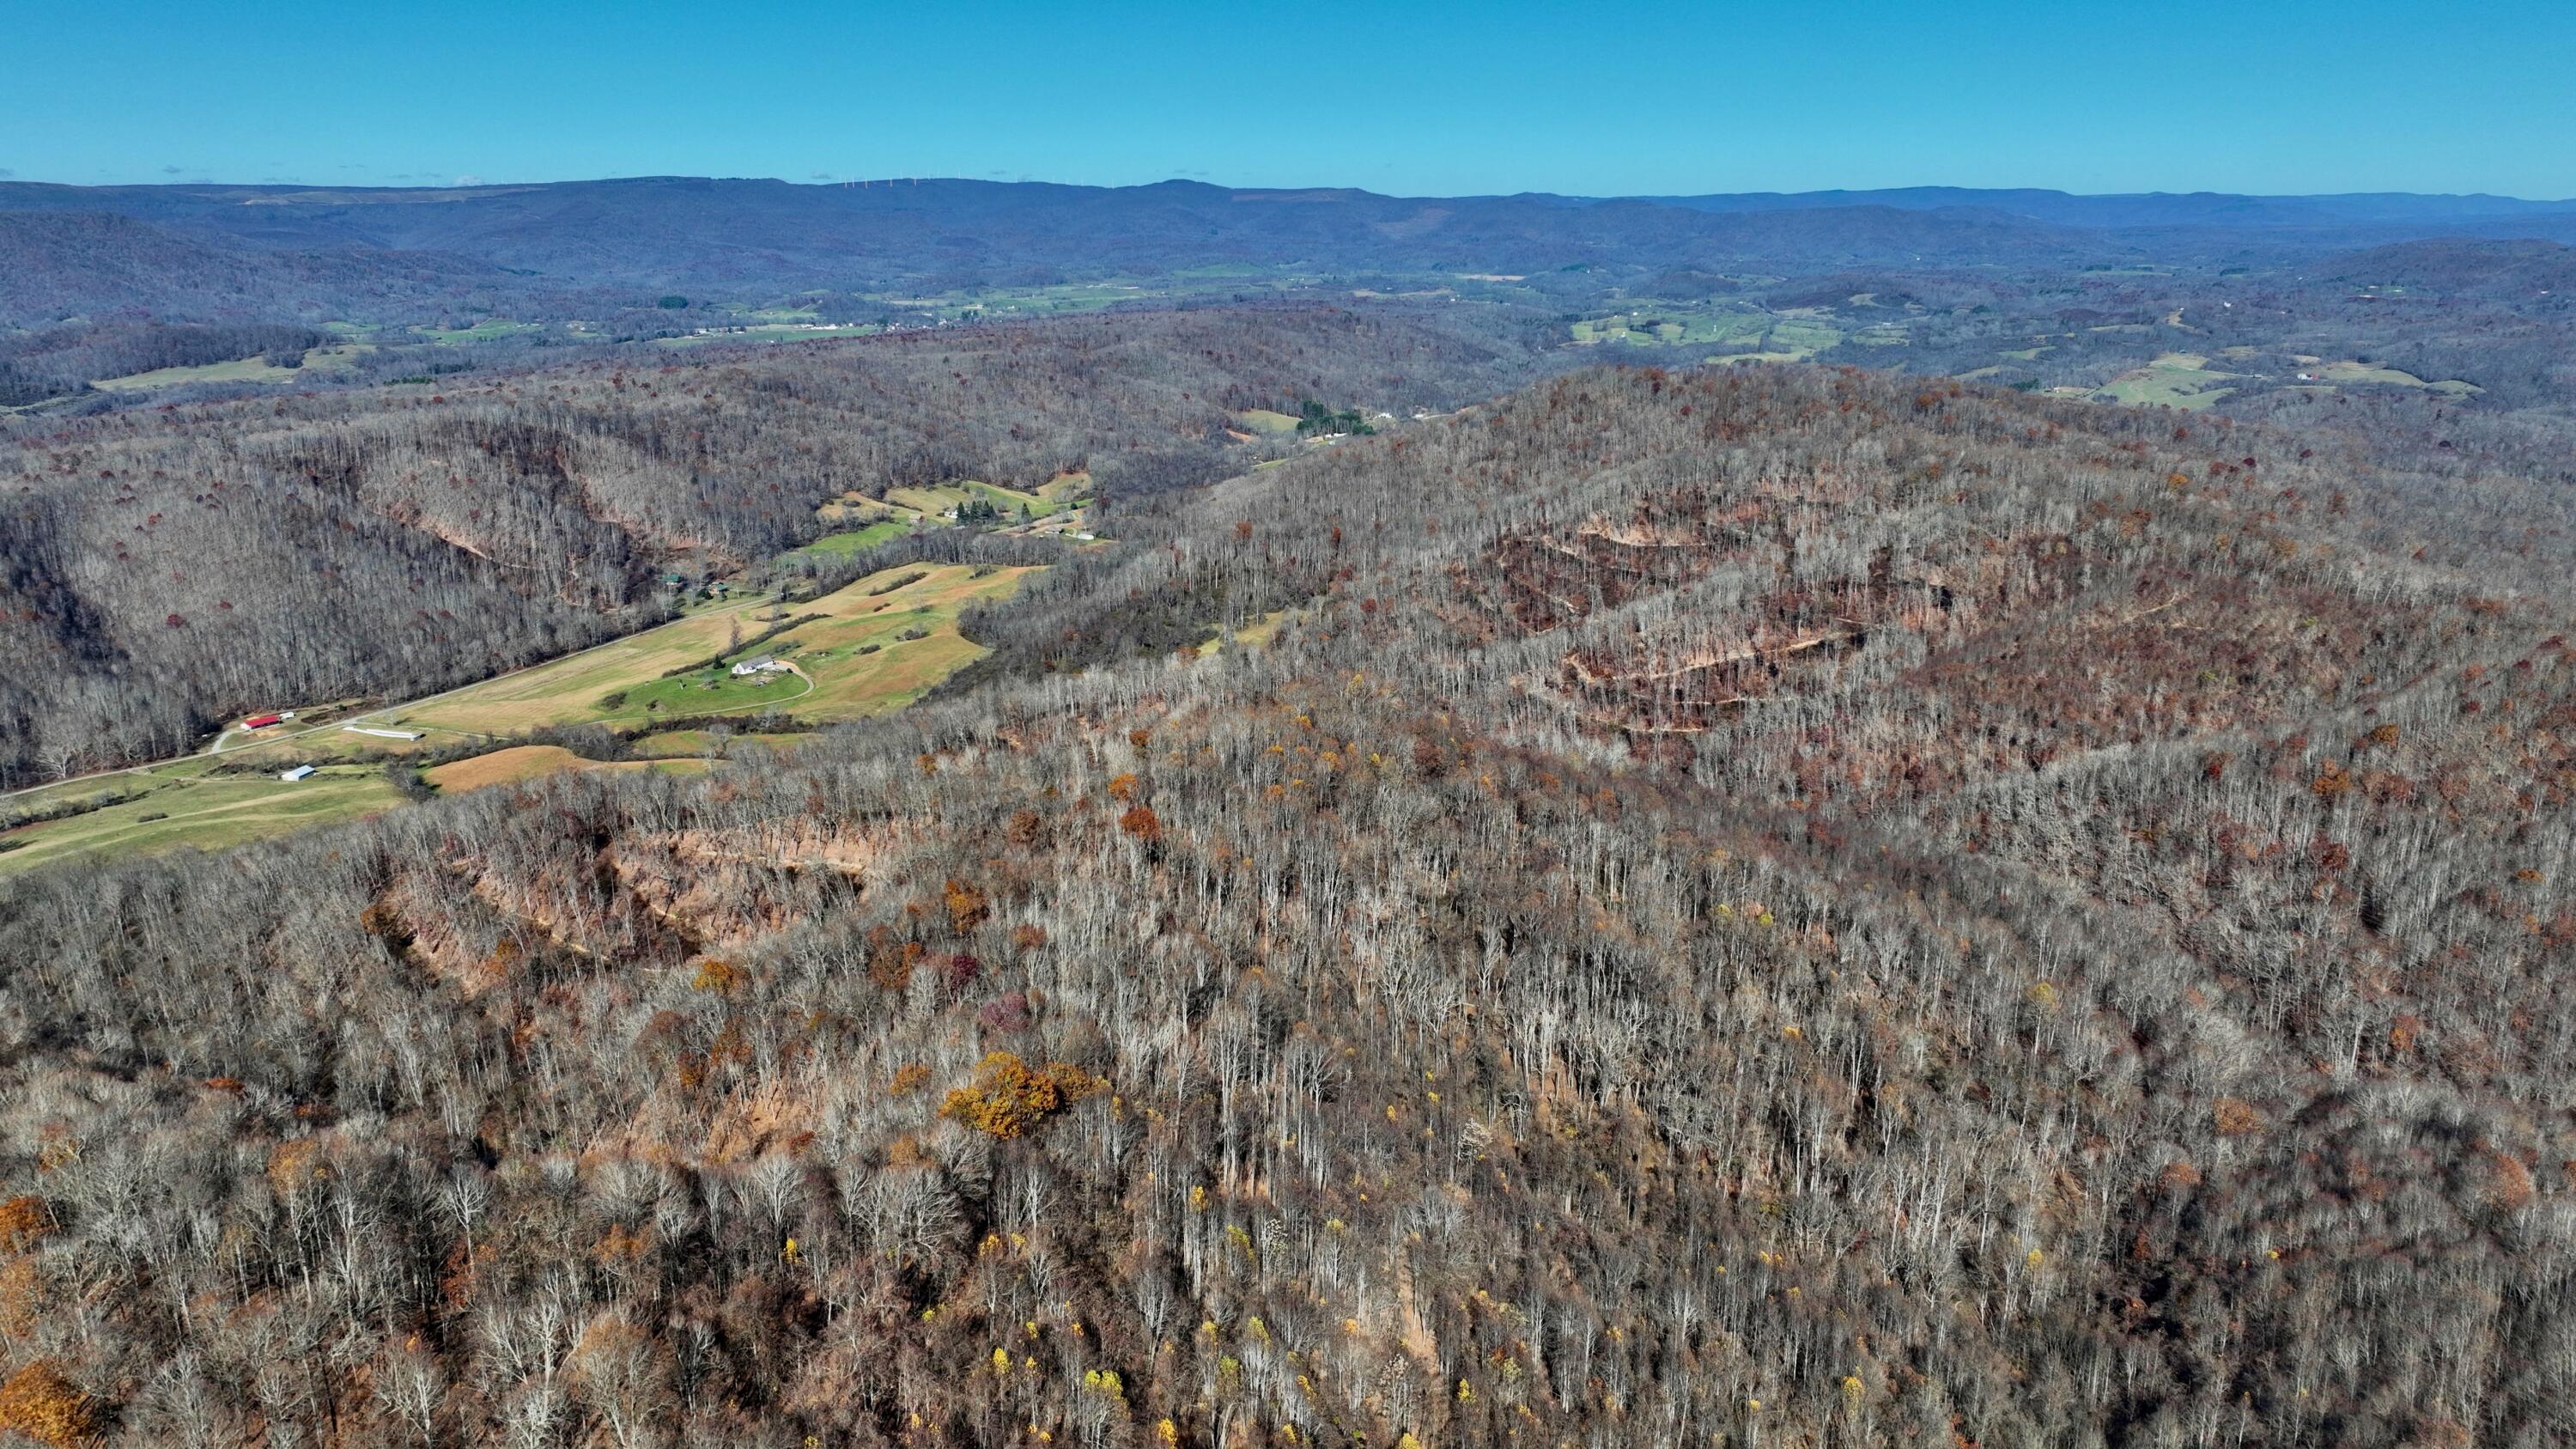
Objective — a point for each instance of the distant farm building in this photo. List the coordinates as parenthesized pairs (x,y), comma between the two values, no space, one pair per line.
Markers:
(262,721)
(750,667)
(382,734)
(298,773)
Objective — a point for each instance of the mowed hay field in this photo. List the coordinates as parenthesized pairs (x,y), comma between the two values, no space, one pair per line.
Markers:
(2363,372)
(319,362)
(526,762)
(937,501)
(931,503)
(852,662)
(853,540)
(2180,380)
(206,811)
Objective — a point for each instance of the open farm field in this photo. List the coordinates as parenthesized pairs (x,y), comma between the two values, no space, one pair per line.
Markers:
(187,806)
(1676,326)
(941,501)
(854,540)
(483,331)
(319,363)
(2180,380)
(2363,372)
(854,660)
(527,762)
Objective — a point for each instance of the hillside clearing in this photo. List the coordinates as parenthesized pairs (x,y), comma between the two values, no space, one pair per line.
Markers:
(527,762)
(206,812)
(2363,372)
(2180,380)
(319,363)
(852,661)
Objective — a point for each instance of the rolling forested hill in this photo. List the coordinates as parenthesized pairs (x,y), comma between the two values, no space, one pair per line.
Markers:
(59,264)
(163,571)
(1742,905)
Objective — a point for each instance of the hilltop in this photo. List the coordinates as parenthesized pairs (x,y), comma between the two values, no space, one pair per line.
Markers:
(1741,901)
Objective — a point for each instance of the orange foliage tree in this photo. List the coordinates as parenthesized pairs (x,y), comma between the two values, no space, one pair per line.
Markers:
(41,1403)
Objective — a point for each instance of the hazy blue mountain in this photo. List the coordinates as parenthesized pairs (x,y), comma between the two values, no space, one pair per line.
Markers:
(222,251)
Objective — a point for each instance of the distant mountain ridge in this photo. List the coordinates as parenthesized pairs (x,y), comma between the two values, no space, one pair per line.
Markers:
(2502,270)
(639,233)
(64,263)
(2160,208)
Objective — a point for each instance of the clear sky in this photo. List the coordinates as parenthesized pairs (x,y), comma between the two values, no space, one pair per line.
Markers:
(1506,95)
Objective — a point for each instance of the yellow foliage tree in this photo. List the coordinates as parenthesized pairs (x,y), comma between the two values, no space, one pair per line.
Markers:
(41,1403)
(1009,1097)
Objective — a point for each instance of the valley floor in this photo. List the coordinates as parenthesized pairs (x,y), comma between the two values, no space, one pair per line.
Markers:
(868,648)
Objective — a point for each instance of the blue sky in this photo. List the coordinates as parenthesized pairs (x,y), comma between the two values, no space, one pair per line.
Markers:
(1608,98)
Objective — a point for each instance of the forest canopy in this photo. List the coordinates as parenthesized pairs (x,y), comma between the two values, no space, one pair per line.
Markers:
(1750,904)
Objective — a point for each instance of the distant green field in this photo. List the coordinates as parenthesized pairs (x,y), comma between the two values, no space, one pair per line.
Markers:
(2179,380)
(483,331)
(2363,372)
(777,332)
(937,500)
(1263,420)
(1802,338)
(1758,333)
(857,660)
(319,363)
(857,539)
(675,744)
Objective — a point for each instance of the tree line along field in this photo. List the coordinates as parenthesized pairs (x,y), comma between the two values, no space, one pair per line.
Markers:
(958,502)
(520,763)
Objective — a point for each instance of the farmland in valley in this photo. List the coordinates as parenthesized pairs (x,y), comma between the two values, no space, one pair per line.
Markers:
(875,646)
(189,803)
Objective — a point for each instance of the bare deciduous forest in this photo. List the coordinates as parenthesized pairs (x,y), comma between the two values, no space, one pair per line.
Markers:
(164,570)
(1764,906)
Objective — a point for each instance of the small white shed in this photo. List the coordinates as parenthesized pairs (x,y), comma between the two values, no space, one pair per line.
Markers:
(298,773)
